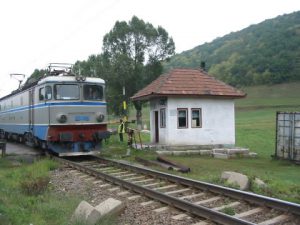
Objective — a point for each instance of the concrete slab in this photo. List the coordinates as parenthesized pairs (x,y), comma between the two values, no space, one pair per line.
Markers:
(236,178)
(22,152)
(110,206)
(86,213)
(21,149)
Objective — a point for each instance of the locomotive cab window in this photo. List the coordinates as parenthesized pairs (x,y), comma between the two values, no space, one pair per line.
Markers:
(93,92)
(66,92)
(42,94)
(48,93)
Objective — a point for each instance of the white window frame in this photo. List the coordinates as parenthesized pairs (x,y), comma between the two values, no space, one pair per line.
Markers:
(162,118)
(200,117)
(186,120)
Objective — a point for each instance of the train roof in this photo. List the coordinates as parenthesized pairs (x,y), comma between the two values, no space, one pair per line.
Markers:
(70,79)
(58,78)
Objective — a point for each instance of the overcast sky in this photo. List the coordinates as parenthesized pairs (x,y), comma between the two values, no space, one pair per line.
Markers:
(37,32)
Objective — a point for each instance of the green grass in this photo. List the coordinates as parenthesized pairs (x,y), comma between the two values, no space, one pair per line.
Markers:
(18,207)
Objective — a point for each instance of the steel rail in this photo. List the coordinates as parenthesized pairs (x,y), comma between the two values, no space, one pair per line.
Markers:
(191,208)
(237,194)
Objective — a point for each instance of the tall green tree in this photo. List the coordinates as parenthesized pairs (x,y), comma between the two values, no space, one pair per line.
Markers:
(135,50)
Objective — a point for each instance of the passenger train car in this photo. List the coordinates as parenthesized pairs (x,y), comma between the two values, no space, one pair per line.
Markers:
(61,112)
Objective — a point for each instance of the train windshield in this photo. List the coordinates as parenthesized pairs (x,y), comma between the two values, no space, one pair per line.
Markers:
(66,92)
(93,92)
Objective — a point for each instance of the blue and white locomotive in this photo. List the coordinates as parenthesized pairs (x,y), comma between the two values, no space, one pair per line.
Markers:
(61,112)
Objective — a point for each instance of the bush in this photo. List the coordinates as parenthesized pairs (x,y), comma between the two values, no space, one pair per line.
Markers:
(34,185)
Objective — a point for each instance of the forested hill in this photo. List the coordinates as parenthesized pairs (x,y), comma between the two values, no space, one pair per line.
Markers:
(266,53)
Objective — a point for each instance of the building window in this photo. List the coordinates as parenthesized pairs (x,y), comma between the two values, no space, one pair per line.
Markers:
(162,118)
(182,115)
(196,118)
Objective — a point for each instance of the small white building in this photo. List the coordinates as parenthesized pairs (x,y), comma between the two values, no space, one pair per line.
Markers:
(190,107)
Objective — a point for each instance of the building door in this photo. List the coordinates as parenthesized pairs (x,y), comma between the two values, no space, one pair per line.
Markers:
(156,126)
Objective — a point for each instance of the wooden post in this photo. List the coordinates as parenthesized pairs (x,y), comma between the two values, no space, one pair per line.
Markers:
(140,140)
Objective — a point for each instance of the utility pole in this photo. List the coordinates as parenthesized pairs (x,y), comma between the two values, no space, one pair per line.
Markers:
(125,106)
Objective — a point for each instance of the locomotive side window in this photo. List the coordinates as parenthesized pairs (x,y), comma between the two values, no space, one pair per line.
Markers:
(66,92)
(93,92)
(41,94)
(48,93)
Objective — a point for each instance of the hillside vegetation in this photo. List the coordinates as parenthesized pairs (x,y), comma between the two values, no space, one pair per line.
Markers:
(266,53)
(266,96)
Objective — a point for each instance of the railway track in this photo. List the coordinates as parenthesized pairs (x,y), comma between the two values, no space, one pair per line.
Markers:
(205,201)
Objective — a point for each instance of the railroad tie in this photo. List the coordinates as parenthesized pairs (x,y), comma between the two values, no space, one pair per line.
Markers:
(114,189)
(142,181)
(275,220)
(191,196)
(180,216)
(201,223)
(127,175)
(105,169)
(84,176)
(153,184)
(134,178)
(233,204)
(123,193)
(207,200)
(97,182)
(133,197)
(112,171)
(165,187)
(90,179)
(104,185)
(249,213)
(162,209)
(177,191)
(147,203)
(118,173)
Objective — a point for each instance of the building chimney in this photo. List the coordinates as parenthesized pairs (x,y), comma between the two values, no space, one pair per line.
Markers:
(202,65)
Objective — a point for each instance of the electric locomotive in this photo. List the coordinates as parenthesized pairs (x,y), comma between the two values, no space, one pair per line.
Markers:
(61,112)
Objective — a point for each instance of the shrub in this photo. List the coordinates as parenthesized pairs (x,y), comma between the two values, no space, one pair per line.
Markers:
(34,185)
(228,210)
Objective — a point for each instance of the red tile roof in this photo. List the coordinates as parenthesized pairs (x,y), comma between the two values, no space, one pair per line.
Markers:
(187,82)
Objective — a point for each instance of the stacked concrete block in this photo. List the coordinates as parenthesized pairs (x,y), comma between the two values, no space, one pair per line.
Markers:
(90,215)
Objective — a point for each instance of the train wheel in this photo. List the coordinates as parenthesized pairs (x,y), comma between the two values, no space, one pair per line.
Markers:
(20,139)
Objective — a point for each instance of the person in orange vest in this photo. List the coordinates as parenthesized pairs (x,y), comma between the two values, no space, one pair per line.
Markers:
(121,130)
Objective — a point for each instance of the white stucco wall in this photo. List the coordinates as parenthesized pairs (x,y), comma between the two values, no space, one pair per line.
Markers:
(218,122)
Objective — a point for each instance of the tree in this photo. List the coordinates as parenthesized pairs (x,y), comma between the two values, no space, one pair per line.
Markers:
(135,51)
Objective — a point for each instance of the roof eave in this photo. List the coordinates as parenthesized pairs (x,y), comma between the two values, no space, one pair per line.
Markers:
(156,95)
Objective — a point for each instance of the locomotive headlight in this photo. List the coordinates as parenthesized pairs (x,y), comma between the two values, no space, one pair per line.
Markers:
(62,118)
(100,117)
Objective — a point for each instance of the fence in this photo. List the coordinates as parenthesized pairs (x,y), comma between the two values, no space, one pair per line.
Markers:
(288,136)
